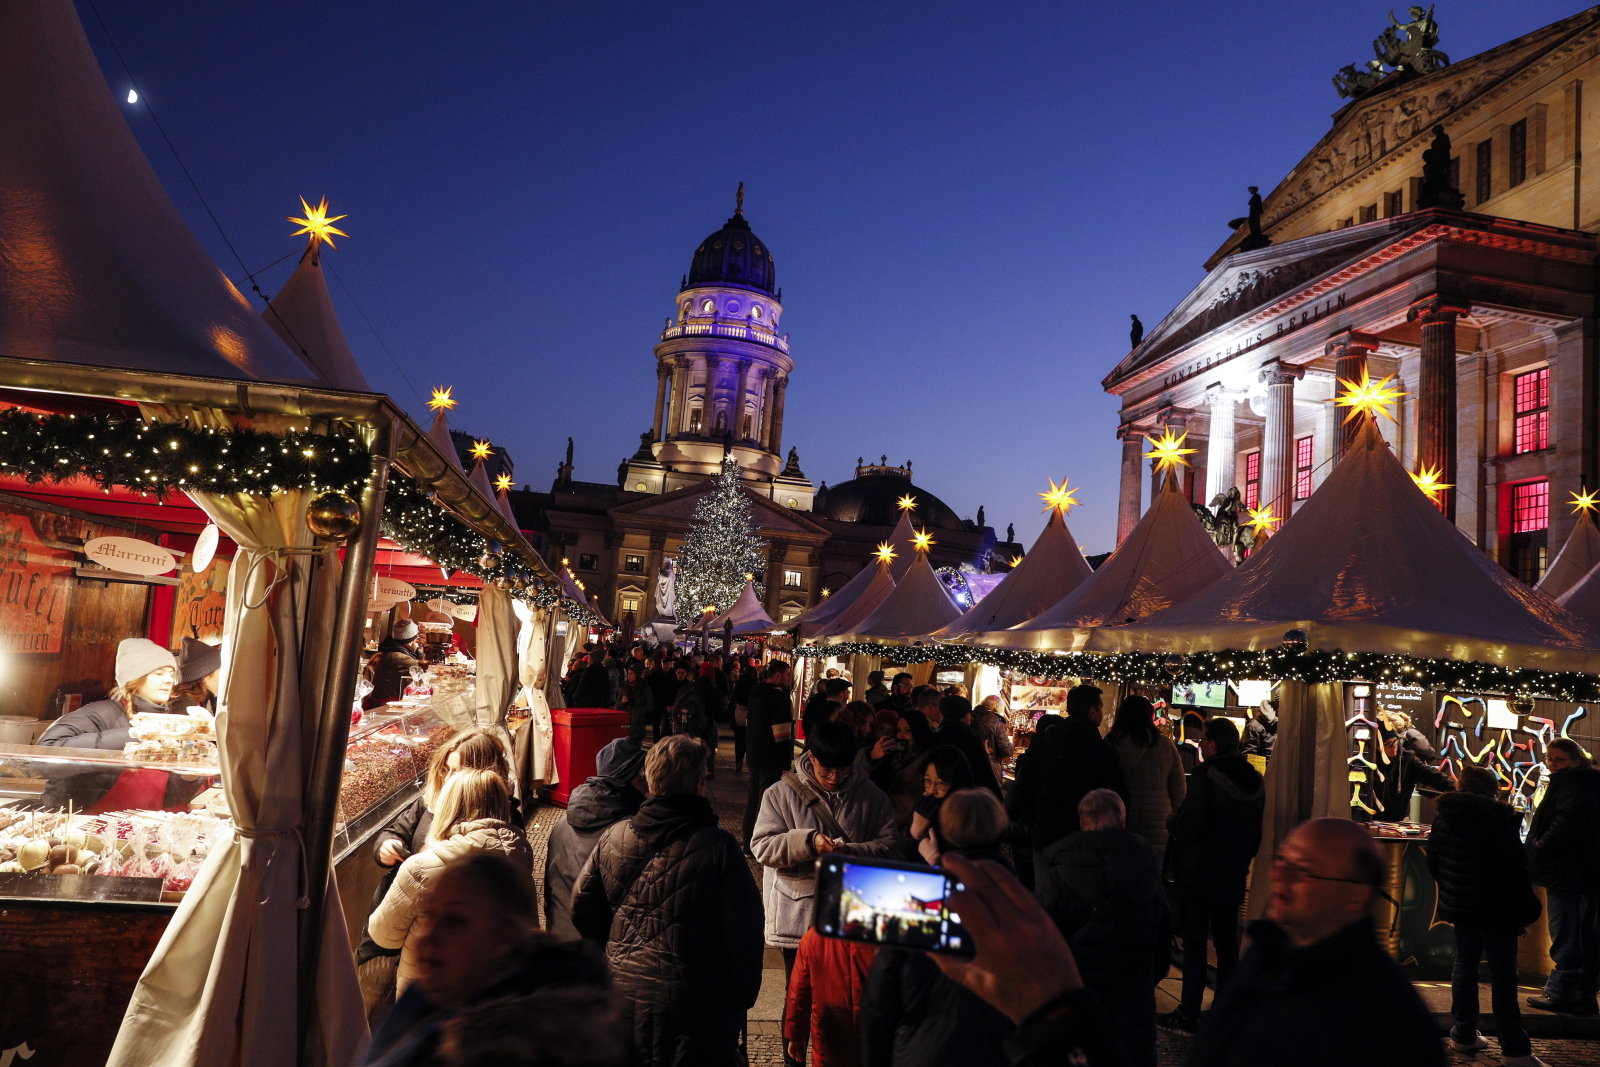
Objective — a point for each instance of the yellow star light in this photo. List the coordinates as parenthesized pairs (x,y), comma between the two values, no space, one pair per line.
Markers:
(886,552)
(503,482)
(480,450)
(921,541)
(1583,500)
(1262,519)
(1016,561)
(1372,397)
(1427,480)
(441,398)
(317,223)
(1060,497)
(1168,451)
(907,502)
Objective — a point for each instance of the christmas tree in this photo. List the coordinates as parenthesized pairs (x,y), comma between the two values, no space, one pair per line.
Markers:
(722,550)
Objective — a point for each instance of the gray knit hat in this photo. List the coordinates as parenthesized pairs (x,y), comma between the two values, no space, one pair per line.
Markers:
(137,657)
(404,630)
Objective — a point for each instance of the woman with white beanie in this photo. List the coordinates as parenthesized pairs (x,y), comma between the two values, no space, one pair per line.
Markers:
(146,673)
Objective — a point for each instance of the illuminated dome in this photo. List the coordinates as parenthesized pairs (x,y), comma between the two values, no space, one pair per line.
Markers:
(872,498)
(734,256)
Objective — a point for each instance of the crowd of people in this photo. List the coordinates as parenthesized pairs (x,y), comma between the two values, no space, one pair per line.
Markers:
(1076,882)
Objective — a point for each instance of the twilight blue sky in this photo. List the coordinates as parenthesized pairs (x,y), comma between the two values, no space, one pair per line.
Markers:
(965,201)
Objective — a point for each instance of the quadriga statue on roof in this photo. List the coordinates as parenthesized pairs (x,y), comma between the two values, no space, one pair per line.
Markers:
(1414,52)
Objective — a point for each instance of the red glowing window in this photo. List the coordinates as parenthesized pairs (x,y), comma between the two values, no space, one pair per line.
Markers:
(1530,507)
(1531,403)
(1302,467)
(1252,480)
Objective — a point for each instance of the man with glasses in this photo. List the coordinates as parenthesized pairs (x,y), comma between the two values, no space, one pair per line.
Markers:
(1315,986)
(1564,857)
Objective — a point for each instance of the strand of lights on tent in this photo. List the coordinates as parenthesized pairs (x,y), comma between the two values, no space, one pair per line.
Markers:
(1278,663)
(721,551)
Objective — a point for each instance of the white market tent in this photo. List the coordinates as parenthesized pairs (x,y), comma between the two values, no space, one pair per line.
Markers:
(1368,564)
(1165,560)
(1583,599)
(302,316)
(903,541)
(747,615)
(855,600)
(917,606)
(1577,558)
(1051,570)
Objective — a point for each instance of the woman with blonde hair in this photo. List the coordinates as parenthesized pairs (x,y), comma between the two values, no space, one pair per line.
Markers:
(472,815)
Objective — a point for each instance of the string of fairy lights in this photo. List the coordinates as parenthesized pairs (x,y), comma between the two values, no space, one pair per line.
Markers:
(162,458)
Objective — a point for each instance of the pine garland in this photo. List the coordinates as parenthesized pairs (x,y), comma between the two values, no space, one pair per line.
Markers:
(1229,665)
(721,550)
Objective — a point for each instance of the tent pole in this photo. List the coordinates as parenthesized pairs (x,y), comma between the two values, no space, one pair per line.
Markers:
(321,802)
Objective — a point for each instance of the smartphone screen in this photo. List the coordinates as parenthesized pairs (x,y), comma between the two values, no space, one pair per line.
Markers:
(882,902)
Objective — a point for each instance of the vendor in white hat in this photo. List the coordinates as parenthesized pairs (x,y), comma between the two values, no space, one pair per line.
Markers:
(146,673)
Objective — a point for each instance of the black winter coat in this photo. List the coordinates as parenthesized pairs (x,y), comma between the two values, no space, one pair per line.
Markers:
(100,724)
(1475,853)
(594,687)
(391,669)
(1400,779)
(593,808)
(769,706)
(1103,889)
(1063,765)
(1216,832)
(960,735)
(1564,837)
(1339,1002)
(670,896)
(916,1017)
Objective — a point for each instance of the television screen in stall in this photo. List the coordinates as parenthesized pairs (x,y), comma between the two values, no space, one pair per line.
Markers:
(1251,693)
(1201,695)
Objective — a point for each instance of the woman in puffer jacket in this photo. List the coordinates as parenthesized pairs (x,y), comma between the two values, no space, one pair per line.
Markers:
(1152,768)
(472,815)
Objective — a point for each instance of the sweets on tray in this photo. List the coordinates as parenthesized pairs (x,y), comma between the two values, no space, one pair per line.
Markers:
(150,725)
(171,750)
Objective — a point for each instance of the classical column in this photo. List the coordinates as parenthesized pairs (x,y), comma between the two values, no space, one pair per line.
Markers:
(1277,438)
(1349,351)
(661,396)
(776,553)
(764,432)
(708,417)
(780,386)
(1573,421)
(1222,445)
(739,400)
(1436,392)
(1132,477)
(676,415)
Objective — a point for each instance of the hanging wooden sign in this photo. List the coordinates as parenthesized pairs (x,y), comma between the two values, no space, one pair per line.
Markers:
(129,555)
(391,589)
(35,588)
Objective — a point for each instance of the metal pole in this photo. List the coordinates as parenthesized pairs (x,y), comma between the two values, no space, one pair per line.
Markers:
(332,723)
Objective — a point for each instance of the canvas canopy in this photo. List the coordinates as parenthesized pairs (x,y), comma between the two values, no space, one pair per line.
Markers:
(1368,564)
(96,265)
(905,552)
(1577,558)
(1165,560)
(1583,599)
(856,599)
(1052,569)
(916,607)
(747,614)
(302,316)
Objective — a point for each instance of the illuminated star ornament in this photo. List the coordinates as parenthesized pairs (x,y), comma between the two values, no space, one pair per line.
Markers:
(886,552)
(1372,397)
(921,541)
(1428,480)
(480,450)
(1262,520)
(1016,561)
(1060,497)
(906,503)
(503,482)
(1583,500)
(1168,451)
(440,400)
(317,223)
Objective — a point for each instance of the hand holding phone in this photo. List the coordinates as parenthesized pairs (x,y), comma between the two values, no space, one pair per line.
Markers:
(882,902)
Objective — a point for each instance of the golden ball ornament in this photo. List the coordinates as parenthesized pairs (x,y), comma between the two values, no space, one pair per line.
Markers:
(334,516)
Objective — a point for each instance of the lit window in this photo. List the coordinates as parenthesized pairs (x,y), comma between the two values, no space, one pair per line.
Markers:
(755,312)
(1530,519)
(1252,480)
(792,579)
(708,307)
(1531,403)
(1302,467)
(588,562)
(695,420)
(788,615)
(633,564)
(631,603)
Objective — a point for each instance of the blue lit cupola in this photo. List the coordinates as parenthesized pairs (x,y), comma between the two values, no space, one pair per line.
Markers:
(734,256)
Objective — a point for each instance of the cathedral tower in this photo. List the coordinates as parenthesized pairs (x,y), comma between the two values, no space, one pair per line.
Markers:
(722,369)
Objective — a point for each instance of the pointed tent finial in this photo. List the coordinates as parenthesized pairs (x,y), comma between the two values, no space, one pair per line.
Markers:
(739,200)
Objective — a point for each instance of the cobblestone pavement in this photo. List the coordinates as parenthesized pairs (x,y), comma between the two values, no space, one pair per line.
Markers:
(727,793)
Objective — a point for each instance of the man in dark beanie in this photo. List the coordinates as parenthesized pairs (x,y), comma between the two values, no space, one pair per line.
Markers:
(956,731)
(613,794)
(1063,766)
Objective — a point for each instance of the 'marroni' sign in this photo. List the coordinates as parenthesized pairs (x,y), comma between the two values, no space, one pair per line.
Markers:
(129,555)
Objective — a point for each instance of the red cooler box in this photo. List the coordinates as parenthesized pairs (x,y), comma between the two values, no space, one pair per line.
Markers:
(580,734)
